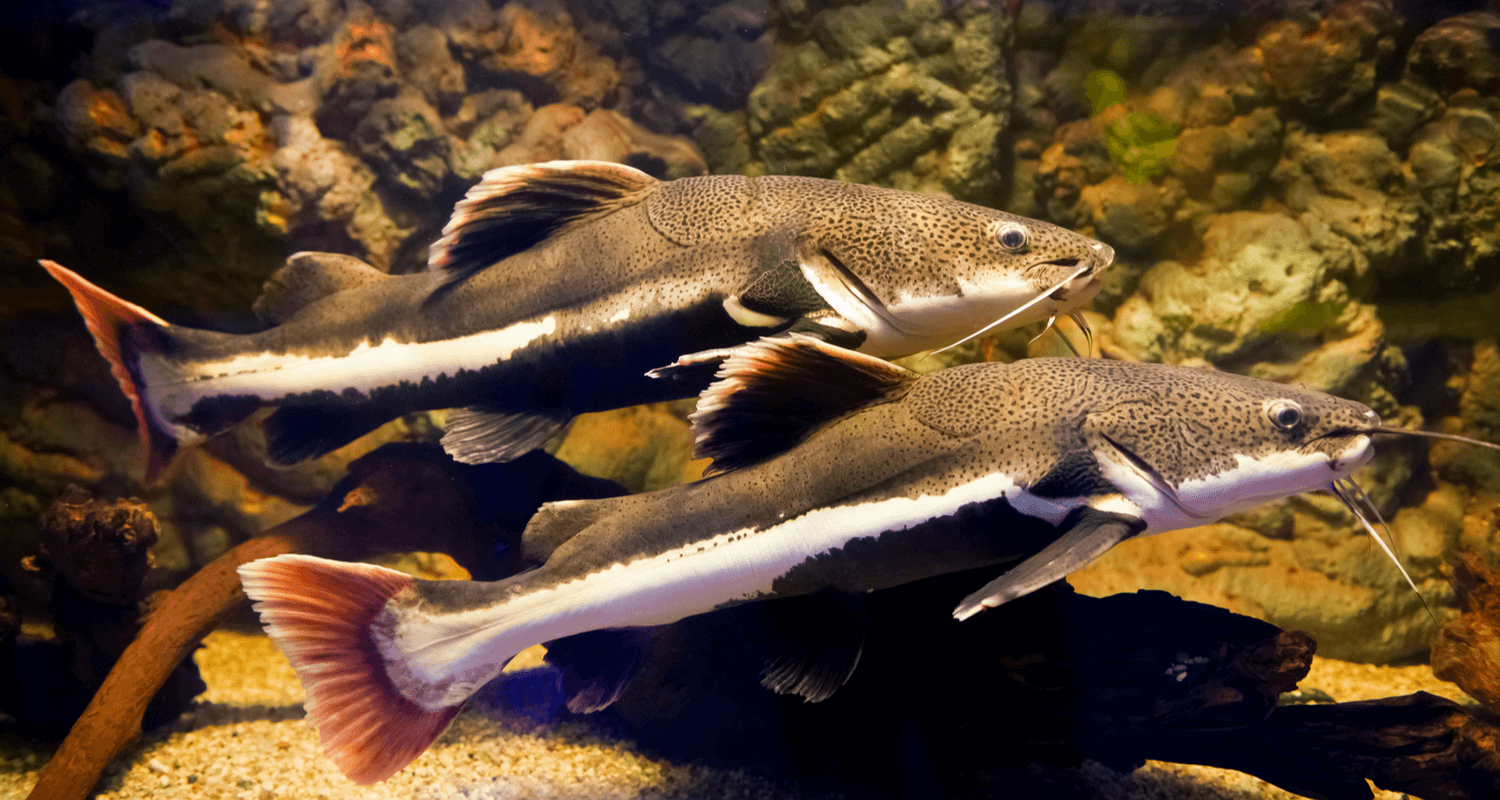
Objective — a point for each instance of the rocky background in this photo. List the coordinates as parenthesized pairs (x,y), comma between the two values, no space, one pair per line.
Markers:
(1303,191)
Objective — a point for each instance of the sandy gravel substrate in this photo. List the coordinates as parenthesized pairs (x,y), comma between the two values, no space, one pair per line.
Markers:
(246,740)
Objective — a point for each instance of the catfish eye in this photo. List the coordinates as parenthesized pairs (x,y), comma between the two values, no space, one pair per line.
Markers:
(1285,414)
(1011,235)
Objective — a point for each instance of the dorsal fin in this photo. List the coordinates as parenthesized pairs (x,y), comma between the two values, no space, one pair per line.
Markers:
(308,277)
(513,208)
(772,394)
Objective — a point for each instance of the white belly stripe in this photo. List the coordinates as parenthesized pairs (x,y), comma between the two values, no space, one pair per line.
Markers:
(689,580)
(389,362)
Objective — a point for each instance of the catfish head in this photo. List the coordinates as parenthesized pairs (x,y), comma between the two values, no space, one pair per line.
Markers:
(1190,452)
(916,272)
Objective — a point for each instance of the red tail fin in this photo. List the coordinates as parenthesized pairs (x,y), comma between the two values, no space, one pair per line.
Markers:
(107,317)
(320,613)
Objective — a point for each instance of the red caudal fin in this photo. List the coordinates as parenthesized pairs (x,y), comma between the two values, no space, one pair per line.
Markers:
(110,319)
(323,615)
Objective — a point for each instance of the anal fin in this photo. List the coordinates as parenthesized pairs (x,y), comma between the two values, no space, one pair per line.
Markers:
(817,643)
(484,434)
(598,665)
(1089,534)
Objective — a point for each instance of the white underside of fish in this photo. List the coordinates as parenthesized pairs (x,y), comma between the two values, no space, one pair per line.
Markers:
(385,363)
(1252,482)
(730,567)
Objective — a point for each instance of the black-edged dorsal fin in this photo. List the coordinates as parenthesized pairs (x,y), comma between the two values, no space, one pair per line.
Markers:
(773,393)
(514,208)
(307,277)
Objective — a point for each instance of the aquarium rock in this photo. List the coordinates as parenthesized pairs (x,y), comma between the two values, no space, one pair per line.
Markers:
(905,95)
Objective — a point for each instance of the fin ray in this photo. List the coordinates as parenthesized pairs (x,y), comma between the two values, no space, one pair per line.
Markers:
(482,434)
(819,640)
(296,432)
(773,393)
(1090,533)
(514,208)
(597,666)
(109,319)
(320,613)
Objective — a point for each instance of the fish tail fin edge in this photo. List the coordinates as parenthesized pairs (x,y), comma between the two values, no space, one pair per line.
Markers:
(108,317)
(322,615)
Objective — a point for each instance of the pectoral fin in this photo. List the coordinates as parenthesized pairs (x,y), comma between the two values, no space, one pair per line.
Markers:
(778,293)
(1090,533)
(700,368)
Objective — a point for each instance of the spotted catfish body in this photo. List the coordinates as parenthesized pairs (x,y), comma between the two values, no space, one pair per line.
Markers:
(559,285)
(842,472)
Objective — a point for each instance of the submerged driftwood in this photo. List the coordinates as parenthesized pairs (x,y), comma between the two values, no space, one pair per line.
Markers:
(1054,677)
(398,498)
(96,554)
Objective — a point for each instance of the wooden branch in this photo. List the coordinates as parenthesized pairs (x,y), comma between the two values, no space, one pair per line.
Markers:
(397,498)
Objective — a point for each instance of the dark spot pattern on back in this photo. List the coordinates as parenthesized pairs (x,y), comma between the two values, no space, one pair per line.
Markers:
(1187,423)
(690,211)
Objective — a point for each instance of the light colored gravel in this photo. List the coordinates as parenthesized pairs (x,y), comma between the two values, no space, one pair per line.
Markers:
(246,740)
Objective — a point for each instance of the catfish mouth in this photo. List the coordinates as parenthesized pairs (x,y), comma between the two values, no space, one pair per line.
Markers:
(1080,282)
(1065,264)
(1083,280)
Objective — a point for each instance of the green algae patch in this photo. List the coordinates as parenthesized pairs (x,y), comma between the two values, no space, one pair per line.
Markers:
(1305,317)
(1104,88)
(1141,145)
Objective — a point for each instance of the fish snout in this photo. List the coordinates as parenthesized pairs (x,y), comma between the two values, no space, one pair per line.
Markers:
(1103,255)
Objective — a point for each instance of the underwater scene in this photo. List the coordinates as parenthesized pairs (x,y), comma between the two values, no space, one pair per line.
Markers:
(749,398)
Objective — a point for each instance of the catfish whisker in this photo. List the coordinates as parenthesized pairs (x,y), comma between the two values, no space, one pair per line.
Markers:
(1347,491)
(1051,326)
(1069,343)
(1392,430)
(1050,320)
(1083,324)
(1085,267)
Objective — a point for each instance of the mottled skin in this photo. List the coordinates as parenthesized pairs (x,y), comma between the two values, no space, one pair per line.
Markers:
(1041,422)
(1048,460)
(883,271)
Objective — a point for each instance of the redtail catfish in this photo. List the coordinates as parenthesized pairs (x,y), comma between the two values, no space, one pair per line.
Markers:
(559,285)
